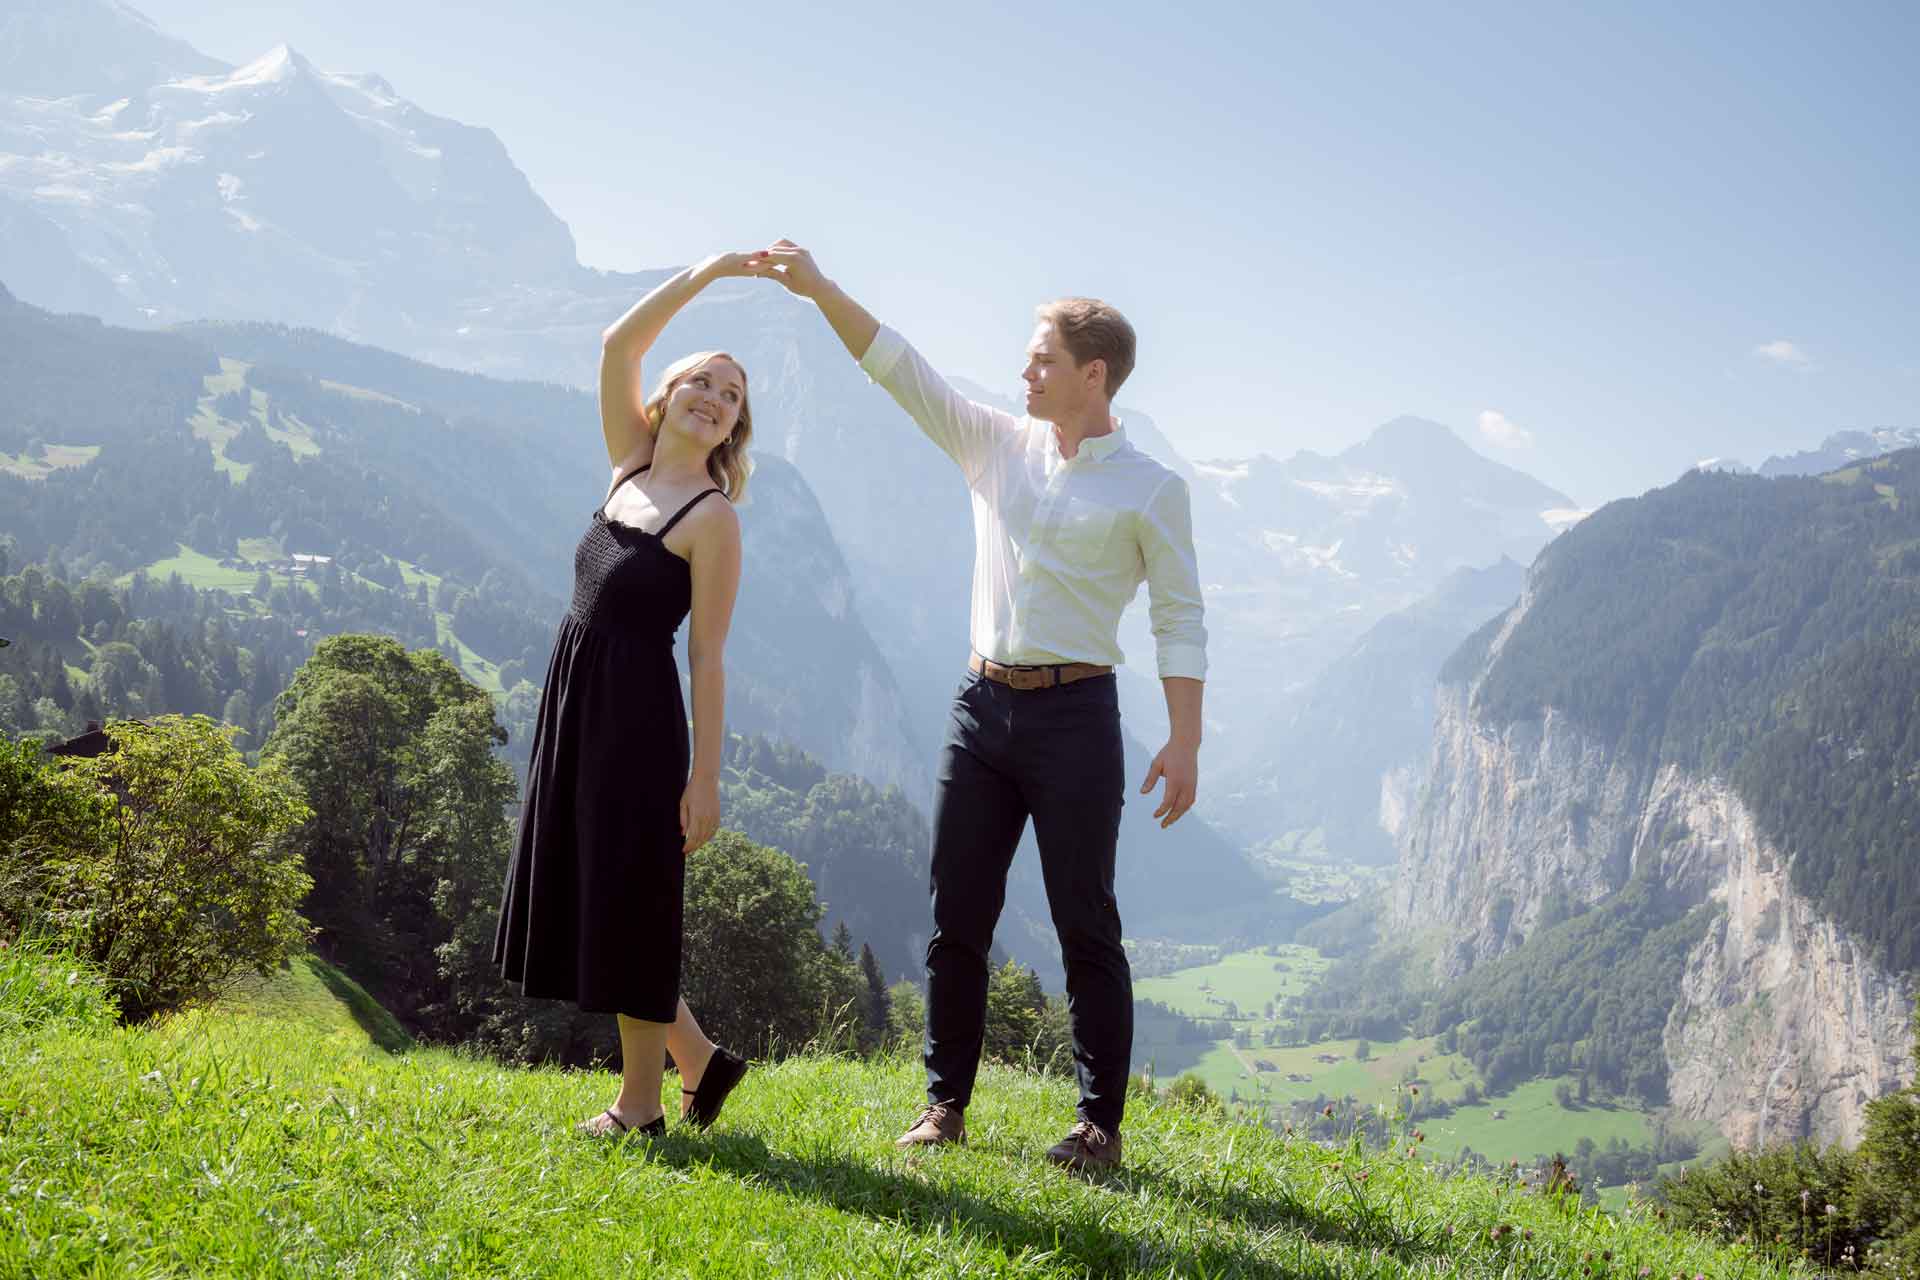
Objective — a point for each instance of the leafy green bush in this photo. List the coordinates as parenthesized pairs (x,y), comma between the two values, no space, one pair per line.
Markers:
(44,987)
(757,974)
(1191,1093)
(1024,1028)
(1852,1209)
(1776,1197)
(180,879)
(47,817)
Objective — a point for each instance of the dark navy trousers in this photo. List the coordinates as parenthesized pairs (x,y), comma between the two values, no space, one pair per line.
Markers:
(1053,755)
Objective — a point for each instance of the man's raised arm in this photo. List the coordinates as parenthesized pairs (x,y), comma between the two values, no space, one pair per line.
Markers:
(967,431)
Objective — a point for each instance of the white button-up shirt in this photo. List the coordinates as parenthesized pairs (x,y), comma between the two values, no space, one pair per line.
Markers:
(1060,545)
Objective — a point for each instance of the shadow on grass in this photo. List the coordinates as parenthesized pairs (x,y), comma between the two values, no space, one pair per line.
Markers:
(1057,1227)
(380,1026)
(1368,1228)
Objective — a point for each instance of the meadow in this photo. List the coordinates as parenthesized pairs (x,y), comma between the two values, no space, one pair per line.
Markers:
(292,1130)
(1524,1123)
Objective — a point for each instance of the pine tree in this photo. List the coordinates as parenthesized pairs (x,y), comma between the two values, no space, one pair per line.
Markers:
(877,1006)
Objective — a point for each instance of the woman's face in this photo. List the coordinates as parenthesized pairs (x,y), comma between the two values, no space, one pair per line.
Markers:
(705,403)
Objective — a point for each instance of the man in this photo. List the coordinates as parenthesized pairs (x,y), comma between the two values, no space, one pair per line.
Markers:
(1068,520)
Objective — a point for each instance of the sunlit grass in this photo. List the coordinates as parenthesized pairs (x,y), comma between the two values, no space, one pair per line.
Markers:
(271,1136)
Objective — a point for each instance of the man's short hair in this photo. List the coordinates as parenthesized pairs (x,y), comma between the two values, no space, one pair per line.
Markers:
(1092,330)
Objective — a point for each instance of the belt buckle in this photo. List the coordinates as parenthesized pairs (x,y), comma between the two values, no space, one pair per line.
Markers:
(1027,678)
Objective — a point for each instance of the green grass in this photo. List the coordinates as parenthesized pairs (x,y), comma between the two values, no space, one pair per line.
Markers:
(1247,978)
(326,1001)
(1535,1124)
(1368,1081)
(261,550)
(482,672)
(214,429)
(270,1136)
(51,459)
(218,432)
(296,435)
(200,571)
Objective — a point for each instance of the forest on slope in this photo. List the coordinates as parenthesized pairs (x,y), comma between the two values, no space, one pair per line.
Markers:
(1760,630)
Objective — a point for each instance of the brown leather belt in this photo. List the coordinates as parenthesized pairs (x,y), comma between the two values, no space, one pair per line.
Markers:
(1035,677)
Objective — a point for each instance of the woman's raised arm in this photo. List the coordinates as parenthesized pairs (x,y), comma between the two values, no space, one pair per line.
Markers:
(627,339)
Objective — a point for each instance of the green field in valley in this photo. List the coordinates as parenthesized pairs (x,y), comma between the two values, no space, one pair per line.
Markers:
(49,459)
(201,571)
(1526,1120)
(1524,1123)
(1246,979)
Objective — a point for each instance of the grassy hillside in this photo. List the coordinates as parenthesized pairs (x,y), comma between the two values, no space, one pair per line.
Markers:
(274,1136)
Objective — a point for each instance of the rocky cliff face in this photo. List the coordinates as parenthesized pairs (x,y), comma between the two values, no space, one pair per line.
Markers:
(1782,1026)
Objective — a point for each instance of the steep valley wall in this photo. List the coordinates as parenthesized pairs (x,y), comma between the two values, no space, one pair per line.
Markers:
(1782,1026)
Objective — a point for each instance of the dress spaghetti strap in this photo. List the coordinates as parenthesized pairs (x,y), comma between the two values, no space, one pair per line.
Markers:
(667,528)
(617,483)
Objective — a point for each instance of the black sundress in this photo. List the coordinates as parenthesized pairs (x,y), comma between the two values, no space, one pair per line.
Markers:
(592,909)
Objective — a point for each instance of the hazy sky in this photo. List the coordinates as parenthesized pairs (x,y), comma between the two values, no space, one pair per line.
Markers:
(1601,242)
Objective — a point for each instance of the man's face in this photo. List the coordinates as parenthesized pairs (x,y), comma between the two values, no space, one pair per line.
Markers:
(1057,388)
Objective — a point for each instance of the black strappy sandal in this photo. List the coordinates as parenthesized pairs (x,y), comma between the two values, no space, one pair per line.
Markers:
(724,1071)
(655,1128)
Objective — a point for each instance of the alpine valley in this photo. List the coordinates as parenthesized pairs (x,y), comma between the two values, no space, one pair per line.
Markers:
(284,354)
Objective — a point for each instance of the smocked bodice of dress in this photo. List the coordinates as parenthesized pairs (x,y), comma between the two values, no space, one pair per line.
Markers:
(625,580)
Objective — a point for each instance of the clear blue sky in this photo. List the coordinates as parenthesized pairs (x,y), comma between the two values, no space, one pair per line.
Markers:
(1622,237)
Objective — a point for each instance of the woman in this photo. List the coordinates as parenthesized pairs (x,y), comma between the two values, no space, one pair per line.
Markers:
(592,907)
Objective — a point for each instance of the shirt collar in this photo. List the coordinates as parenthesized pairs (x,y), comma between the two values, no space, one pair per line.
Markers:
(1098,448)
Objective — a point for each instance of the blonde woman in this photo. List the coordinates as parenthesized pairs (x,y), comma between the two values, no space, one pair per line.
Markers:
(615,801)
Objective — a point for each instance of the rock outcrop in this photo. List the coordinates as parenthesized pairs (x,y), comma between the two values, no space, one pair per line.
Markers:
(1782,1025)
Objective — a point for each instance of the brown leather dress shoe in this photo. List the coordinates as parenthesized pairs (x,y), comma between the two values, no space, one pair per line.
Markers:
(1087,1147)
(936,1126)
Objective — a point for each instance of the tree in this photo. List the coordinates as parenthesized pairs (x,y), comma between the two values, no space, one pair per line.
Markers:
(876,1008)
(1362,1051)
(756,970)
(1887,1193)
(182,879)
(906,1014)
(48,818)
(1024,1027)
(394,751)
(465,836)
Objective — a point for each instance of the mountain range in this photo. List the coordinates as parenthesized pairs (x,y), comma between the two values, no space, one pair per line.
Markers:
(143,181)
(304,222)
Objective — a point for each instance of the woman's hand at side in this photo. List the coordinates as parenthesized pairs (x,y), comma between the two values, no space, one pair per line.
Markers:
(699,812)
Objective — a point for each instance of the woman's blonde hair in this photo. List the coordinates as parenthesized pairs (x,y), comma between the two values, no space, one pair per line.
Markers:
(728,463)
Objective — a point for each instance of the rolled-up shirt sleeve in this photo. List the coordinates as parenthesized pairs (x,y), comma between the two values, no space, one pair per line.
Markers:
(1174,605)
(967,431)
